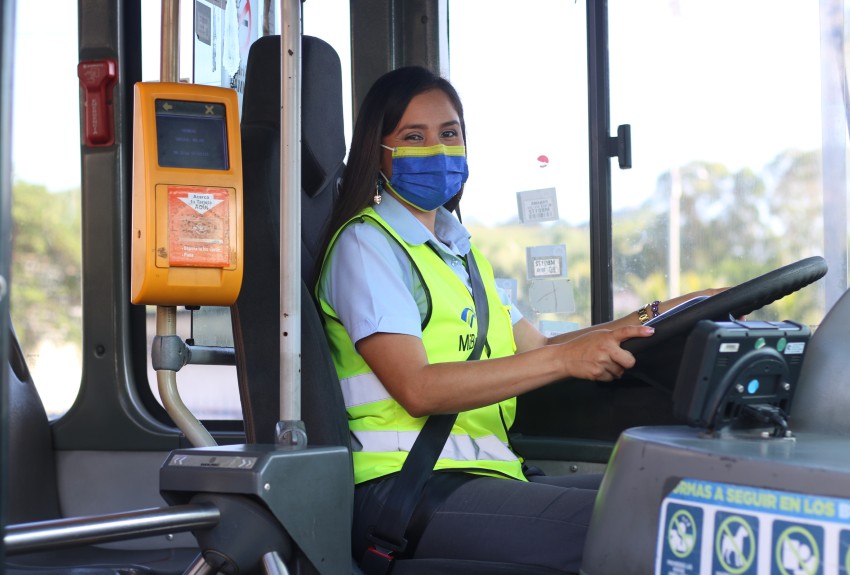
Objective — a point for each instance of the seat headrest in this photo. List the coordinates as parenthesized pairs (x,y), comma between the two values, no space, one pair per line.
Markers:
(322,128)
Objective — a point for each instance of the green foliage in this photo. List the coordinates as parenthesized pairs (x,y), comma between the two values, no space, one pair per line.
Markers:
(733,226)
(46,265)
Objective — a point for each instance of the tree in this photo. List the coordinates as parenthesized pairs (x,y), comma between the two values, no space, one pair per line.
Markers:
(46,290)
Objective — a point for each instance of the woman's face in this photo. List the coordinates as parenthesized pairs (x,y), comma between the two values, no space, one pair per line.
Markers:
(430,119)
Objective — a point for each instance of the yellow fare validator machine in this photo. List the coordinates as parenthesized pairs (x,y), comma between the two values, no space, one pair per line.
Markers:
(187,195)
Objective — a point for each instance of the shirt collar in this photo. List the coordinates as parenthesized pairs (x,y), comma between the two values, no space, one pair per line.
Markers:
(451,233)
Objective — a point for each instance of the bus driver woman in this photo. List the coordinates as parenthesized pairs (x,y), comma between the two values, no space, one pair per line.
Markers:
(392,289)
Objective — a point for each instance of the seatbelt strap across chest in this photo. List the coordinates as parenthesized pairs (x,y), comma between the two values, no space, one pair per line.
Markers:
(388,534)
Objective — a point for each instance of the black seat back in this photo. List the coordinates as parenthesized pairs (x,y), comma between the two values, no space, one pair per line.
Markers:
(255,314)
(33,490)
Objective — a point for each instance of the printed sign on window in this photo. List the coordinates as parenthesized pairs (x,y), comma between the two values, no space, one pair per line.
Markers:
(537,205)
(551,328)
(509,285)
(546,262)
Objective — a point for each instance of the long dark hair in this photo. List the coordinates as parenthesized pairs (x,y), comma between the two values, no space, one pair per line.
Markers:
(380,113)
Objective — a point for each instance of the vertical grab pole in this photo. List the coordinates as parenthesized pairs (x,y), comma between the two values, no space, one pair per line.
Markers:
(290,429)
(168,60)
(166,315)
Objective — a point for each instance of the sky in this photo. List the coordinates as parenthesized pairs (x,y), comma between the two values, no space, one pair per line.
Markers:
(716,80)
(45,129)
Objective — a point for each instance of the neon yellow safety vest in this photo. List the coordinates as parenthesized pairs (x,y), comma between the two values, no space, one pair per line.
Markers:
(382,431)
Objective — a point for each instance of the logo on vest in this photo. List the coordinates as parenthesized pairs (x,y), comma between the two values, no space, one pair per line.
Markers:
(466,342)
(468,315)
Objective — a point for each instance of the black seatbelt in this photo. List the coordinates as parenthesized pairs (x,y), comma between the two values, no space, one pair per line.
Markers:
(388,534)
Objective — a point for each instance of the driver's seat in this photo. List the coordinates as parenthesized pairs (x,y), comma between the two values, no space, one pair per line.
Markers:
(255,314)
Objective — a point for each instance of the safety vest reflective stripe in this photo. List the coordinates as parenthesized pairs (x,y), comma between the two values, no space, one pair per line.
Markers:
(362,389)
(458,447)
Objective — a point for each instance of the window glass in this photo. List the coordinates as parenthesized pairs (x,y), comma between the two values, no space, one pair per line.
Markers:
(723,99)
(213,46)
(210,392)
(525,105)
(46,296)
(330,21)
(152,39)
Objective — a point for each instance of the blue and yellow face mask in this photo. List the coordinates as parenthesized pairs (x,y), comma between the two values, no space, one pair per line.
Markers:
(427,177)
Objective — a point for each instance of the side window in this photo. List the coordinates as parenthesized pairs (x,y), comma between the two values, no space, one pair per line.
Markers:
(46,296)
(210,392)
(214,41)
(727,175)
(526,202)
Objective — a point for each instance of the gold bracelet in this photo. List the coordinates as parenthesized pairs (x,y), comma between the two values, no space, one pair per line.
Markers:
(644,312)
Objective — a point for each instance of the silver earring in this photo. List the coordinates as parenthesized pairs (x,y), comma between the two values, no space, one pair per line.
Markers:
(377,197)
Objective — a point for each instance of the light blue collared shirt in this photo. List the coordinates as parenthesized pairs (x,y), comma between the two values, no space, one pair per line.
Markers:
(370,282)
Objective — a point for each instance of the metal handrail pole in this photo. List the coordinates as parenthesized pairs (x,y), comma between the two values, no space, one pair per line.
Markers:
(169,41)
(69,532)
(290,429)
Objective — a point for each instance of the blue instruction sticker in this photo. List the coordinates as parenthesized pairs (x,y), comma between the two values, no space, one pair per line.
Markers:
(725,529)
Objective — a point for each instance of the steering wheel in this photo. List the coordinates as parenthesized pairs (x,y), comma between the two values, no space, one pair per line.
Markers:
(658,364)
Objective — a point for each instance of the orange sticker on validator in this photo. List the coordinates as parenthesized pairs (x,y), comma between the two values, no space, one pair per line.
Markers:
(198,227)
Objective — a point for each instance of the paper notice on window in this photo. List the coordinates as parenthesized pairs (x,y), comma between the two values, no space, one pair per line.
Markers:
(551,328)
(554,296)
(537,206)
(546,262)
(509,286)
